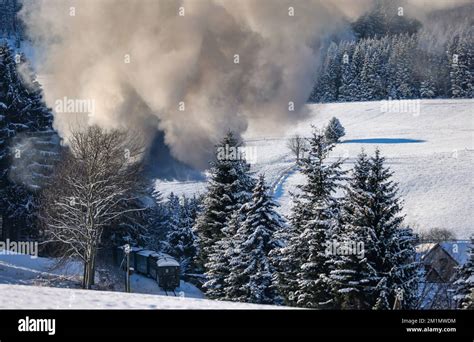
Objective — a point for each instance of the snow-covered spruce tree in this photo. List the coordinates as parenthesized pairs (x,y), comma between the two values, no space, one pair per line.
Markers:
(348,76)
(461,67)
(251,269)
(401,64)
(230,186)
(328,85)
(370,76)
(173,213)
(351,89)
(220,262)
(140,226)
(352,276)
(303,265)
(427,88)
(188,245)
(157,221)
(30,146)
(464,284)
(334,131)
(133,227)
(180,240)
(389,253)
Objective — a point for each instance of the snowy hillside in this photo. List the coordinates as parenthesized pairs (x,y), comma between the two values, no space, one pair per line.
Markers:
(431,152)
(34,297)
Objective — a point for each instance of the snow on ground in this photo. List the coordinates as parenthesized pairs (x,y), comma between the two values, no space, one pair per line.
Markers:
(34,297)
(180,188)
(25,270)
(145,285)
(20,269)
(431,152)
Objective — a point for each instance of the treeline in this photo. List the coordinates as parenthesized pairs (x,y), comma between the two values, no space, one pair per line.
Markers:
(425,64)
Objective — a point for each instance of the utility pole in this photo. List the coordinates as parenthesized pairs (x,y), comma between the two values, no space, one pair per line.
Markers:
(126,250)
(397,305)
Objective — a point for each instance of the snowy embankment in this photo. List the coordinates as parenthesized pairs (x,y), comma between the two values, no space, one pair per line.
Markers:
(35,297)
(430,151)
(20,269)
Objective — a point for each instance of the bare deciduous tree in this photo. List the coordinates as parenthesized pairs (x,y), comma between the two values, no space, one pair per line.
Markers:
(97,176)
(297,144)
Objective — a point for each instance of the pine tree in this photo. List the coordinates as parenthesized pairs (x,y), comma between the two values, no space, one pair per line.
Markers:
(314,221)
(230,186)
(29,146)
(400,64)
(464,284)
(156,222)
(330,75)
(389,247)
(221,256)
(357,62)
(134,227)
(348,76)
(173,213)
(370,77)
(352,276)
(427,89)
(461,71)
(251,270)
(180,240)
(371,217)
(334,131)
(10,25)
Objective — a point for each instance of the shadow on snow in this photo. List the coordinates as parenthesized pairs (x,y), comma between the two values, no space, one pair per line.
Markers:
(383,141)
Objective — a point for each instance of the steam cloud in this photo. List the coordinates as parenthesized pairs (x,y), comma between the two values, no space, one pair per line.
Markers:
(176,60)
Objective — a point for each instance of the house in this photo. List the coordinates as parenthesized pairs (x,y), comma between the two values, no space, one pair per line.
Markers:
(441,261)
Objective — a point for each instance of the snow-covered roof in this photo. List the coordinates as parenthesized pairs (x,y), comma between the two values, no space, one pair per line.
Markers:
(132,248)
(424,248)
(146,252)
(458,250)
(165,260)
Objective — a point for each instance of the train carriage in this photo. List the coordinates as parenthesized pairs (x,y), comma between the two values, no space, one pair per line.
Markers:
(159,266)
(168,272)
(142,264)
(152,265)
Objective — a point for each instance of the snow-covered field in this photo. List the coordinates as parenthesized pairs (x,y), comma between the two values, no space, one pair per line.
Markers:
(430,150)
(35,297)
